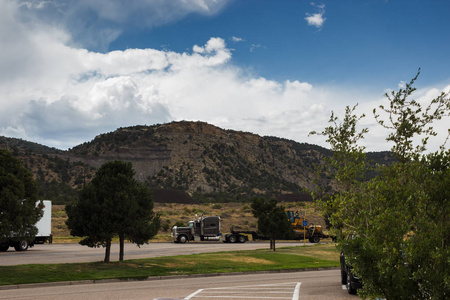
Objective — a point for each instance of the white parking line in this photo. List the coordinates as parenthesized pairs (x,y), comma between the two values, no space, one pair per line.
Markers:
(296,295)
(193,294)
(289,291)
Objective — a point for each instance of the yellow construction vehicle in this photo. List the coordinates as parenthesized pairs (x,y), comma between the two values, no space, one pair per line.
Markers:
(303,229)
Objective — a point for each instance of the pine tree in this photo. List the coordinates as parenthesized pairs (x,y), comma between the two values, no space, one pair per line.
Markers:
(113,204)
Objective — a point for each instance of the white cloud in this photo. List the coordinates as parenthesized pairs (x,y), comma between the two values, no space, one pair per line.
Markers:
(402,85)
(316,19)
(253,47)
(60,95)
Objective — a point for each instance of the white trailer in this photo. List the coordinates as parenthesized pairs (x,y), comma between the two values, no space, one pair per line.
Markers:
(44,226)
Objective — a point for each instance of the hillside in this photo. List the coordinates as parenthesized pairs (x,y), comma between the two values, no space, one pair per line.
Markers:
(58,178)
(196,159)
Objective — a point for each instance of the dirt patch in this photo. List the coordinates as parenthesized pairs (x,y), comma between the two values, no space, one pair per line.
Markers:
(248,260)
(184,263)
(328,251)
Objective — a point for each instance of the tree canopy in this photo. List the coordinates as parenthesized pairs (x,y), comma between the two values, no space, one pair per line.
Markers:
(400,218)
(113,204)
(272,220)
(18,196)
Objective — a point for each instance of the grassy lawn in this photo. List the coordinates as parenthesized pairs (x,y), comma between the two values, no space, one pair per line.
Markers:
(287,258)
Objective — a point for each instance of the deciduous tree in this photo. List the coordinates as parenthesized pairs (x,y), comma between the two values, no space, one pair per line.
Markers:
(400,218)
(347,165)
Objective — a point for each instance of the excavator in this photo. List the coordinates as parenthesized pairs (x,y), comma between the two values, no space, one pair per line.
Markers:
(304,230)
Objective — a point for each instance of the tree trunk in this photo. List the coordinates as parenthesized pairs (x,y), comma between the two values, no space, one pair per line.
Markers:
(272,244)
(107,251)
(121,253)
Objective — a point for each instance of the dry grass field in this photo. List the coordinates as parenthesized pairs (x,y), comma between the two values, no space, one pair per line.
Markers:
(238,215)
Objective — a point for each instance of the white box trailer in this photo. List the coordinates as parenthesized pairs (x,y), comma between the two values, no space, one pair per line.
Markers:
(44,226)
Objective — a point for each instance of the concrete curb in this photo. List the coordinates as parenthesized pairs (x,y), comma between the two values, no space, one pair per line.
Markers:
(150,278)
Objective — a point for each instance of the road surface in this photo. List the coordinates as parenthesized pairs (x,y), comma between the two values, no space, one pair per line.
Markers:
(73,253)
(308,285)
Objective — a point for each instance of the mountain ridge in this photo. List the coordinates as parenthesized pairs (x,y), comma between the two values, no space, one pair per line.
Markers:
(200,159)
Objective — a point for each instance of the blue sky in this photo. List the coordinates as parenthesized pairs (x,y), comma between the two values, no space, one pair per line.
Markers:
(70,70)
(359,41)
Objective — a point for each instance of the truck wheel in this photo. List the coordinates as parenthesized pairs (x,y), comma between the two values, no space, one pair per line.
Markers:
(21,246)
(232,239)
(315,239)
(182,239)
(241,239)
(4,247)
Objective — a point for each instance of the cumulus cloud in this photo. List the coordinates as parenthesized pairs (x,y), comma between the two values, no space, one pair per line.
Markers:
(60,95)
(316,19)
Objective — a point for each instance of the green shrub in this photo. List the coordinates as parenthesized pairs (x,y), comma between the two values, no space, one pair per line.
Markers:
(217,206)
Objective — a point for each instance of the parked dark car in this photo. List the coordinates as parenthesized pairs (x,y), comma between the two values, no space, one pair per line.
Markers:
(347,276)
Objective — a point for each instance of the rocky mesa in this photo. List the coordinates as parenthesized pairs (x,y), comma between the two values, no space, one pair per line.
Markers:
(196,158)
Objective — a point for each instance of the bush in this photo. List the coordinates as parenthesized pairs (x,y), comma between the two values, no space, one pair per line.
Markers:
(165,226)
(179,224)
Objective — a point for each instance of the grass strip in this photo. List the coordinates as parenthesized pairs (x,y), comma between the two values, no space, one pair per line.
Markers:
(288,258)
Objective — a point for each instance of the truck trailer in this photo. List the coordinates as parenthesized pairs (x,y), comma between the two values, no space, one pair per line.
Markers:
(44,226)
(207,229)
